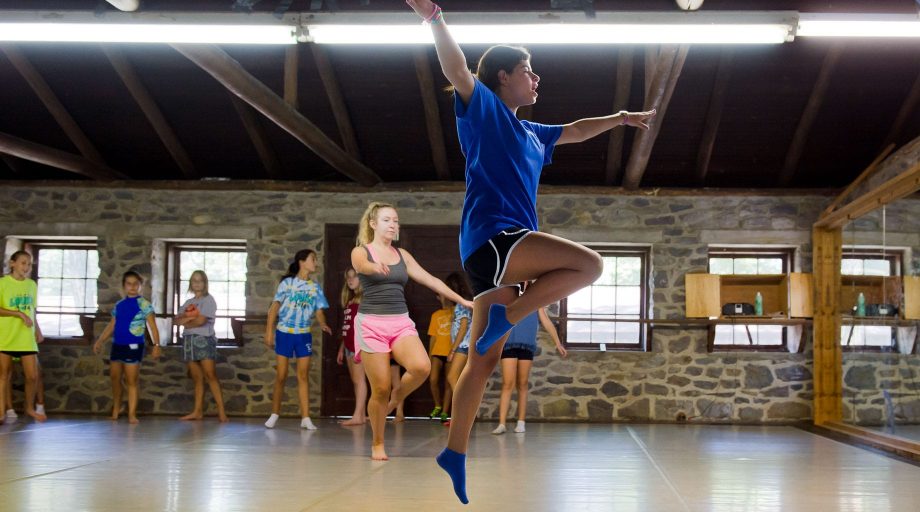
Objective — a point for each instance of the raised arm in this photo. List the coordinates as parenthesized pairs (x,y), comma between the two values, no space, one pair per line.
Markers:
(422,277)
(584,129)
(453,62)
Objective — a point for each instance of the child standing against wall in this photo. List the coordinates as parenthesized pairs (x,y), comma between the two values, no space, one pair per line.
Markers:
(19,334)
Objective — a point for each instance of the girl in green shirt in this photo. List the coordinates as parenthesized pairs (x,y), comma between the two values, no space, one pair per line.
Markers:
(19,334)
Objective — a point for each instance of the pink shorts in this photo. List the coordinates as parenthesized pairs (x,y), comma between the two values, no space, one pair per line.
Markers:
(377,333)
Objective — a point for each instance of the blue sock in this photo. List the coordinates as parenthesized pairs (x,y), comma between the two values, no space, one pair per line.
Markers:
(497,327)
(455,465)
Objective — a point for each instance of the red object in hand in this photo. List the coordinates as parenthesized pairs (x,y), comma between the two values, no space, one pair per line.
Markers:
(191,311)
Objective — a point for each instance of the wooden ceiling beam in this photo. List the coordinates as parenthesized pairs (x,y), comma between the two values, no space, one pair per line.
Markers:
(291,56)
(652,52)
(713,115)
(52,103)
(669,65)
(432,113)
(907,108)
(231,74)
(12,163)
(815,100)
(21,148)
(336,101)
(620,102)
(904,184)
(258,136)
(151,110)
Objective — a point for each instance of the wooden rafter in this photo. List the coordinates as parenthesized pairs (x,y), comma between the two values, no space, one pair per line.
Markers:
(868,171)
(652,52)
(669,65)
(52,103)
(336,101)
(231,74)
(620,102)
(432,113)
(14,146)
(258,136)
(713,115)
(815,100)
(12,163)
(907,108)
(151,110)
(904,184)
(291,54)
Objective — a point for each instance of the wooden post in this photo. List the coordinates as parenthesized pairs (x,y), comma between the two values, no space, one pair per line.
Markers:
(52,157)
(828,366)
(231,74)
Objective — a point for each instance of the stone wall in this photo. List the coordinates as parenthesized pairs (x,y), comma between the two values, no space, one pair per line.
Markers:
(677,375)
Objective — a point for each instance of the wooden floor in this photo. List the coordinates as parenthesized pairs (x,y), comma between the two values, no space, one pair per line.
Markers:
(93,464)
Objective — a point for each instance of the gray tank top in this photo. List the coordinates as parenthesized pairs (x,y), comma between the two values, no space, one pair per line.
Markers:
(384,295)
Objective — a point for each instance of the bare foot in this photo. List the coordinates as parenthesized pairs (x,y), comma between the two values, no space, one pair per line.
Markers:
(133,420)
(353,422)
(114,416)
(391,405)
(37,417)
(192,417)
(221,417)
(378,453)
(399,419)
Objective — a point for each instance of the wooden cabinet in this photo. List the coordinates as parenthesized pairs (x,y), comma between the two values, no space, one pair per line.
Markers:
(912,297)
(903,292)
(788,296)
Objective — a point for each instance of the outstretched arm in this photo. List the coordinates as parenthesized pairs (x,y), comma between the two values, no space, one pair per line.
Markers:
(422,277)
(584,129)
(453,62)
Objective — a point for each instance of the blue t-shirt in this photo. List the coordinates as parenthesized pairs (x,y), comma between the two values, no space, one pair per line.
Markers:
(130,316)
(461,312)
(524,333)
(504,158)
(299,301)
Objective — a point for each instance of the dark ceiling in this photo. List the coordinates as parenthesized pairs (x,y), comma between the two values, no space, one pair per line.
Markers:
(868,102)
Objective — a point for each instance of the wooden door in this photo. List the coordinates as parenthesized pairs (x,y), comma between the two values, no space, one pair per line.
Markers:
(436,249)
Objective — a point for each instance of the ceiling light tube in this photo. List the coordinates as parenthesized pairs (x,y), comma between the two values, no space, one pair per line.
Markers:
(558,28)
(119,27)
(859,25)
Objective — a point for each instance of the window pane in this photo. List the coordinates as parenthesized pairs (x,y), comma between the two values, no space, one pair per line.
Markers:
(237,304)
(70,326)
(851,267)
(50,261)
(627,332)
(628,299)
(49,324)
(629,271)
(603,332)
(602,300)
(190,261)
(724,335)
(222,328)
(237,266)
(768,334)
(745,265)
(90,299)
(720,266)
(609,274)
(579,303)
(92,264)
(74,262)
(219,291)
(72,294)
(769,266)
(852,335)
(49,294)
(216,265)
(578,332)
(878,336)
(877,267)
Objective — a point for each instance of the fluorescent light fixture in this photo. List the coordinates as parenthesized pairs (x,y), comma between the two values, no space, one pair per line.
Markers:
(558,28)
(858,25)
(120,27)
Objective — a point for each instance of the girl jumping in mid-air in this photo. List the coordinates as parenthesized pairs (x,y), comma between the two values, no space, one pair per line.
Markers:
(499,242)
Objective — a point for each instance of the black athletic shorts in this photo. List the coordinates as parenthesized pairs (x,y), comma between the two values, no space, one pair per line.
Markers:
(486,266)
(517,352)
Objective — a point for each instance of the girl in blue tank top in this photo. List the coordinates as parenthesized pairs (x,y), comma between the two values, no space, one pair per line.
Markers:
(499,242)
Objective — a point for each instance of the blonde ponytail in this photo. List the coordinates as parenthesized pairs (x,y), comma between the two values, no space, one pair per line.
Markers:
(365,231)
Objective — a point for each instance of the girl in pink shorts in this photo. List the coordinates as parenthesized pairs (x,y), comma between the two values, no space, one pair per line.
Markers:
(383,328)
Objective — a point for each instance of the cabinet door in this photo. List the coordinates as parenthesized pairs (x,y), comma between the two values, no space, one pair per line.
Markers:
(912,297)
(702,295)
(801,295)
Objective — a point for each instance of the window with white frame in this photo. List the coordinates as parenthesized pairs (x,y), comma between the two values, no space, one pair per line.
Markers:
(225,266)
(598,317)
(66,273)
(857,261)
(737,261)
